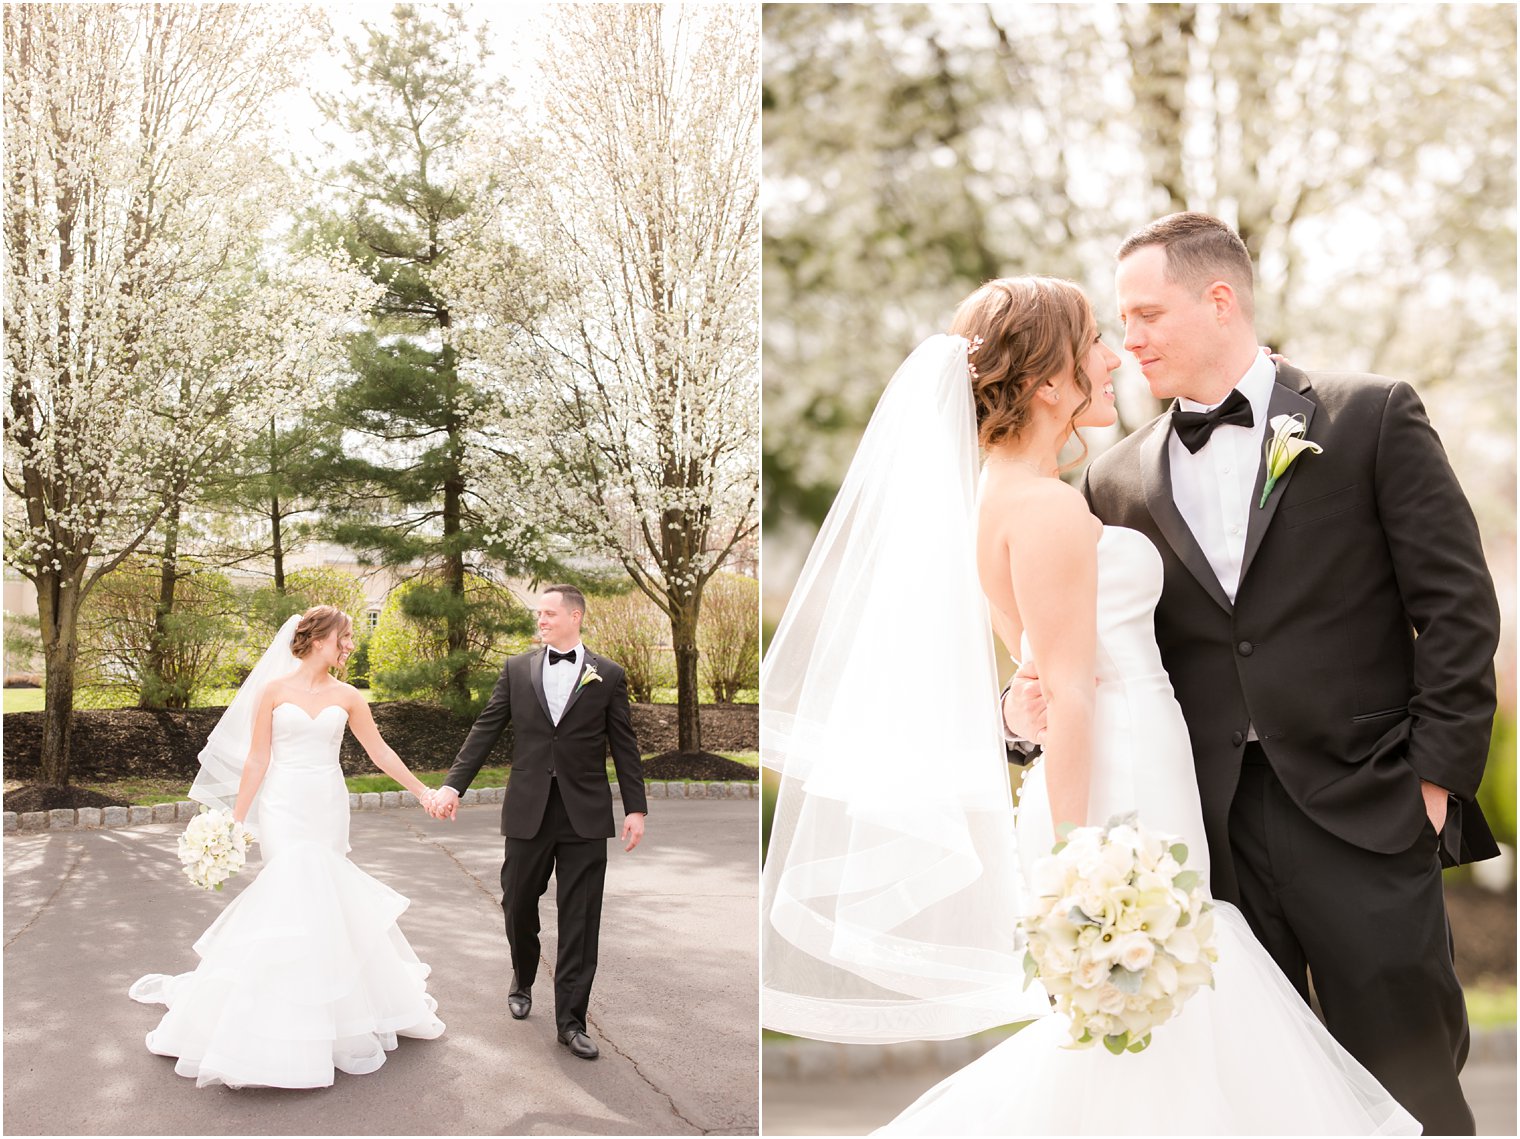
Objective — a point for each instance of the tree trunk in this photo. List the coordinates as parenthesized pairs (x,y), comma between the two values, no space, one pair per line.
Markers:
(274,509)
(1159,38)
(58,610)
(453,552)
(683,630)
(158,688)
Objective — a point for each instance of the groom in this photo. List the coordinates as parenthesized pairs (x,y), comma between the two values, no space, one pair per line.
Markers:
(1331,641)
(566,706)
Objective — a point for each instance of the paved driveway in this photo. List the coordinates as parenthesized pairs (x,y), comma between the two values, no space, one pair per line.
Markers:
(673,1009)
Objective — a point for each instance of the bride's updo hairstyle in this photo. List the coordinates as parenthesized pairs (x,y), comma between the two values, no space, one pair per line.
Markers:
(315,624)
(1031,329)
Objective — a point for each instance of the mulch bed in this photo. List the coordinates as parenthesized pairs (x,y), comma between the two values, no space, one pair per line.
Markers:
(1483,929)
(697,765)
(40,797)
(121,743)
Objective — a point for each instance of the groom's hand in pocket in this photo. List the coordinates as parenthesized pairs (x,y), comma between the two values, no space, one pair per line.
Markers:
(1436,802)
(633,830)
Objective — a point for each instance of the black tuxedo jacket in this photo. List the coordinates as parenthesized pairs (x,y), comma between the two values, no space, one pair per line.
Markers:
(1362,637)
(573,752)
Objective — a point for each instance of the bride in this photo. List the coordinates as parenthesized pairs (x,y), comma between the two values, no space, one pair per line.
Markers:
(305,971)
(897,863)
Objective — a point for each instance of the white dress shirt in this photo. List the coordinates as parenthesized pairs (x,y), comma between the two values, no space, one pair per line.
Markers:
(1213,488)
(559,680)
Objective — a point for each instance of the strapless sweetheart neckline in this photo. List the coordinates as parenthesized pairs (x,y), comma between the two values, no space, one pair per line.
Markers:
(304,712)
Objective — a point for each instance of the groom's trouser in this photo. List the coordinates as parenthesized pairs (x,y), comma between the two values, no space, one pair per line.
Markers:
(579,866)
(1371,929)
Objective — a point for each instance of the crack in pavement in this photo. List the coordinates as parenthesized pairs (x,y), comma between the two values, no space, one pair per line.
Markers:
(42,909)
(545,966)
(659,1091)
(431,839)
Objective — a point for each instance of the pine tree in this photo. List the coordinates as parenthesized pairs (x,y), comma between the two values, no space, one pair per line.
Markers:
(416,91)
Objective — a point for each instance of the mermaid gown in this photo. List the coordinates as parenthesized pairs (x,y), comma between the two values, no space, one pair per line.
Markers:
(1246,1057)
(305,971)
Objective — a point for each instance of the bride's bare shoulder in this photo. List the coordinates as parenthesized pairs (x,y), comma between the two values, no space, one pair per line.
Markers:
(1030,505)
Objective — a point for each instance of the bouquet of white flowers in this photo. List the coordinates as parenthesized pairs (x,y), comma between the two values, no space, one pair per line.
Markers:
(1120,933)
(213,848)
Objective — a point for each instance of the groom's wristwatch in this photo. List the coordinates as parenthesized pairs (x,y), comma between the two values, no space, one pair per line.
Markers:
(1021,752)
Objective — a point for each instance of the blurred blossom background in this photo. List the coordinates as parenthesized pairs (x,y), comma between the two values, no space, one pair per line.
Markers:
(1366,154)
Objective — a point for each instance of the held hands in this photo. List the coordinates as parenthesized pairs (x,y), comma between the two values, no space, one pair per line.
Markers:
(442,803)
(1024,707)
(633,830)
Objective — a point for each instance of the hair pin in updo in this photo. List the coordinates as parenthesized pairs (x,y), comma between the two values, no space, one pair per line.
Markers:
(976,342)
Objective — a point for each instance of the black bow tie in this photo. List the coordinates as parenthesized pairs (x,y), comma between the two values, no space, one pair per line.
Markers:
(1194,427)
(556,657)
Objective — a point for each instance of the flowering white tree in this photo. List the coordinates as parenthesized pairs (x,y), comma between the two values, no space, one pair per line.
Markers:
(631,407)
(143,332)
(1365,152)
(236,351)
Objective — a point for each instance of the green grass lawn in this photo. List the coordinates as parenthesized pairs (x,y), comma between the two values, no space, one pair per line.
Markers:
(1491,1005)
(668,695)
(30,699)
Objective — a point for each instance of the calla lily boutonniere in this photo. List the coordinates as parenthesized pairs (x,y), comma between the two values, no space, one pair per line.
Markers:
(1284,445)
(589,675)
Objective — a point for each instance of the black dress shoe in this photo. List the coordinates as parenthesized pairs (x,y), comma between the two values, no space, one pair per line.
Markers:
(579,1043)
(519,1004)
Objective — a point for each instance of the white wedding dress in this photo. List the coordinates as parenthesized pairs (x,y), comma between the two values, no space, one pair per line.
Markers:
(1247,1057)
(305,971)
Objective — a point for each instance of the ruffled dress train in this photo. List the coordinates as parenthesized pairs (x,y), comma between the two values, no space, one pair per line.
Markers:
(305,972)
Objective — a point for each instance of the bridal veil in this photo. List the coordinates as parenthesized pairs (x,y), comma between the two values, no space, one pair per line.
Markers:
(226,750)
(891,889)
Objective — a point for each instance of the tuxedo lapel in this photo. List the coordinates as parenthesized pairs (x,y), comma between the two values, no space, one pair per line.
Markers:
(1286,399)
(536,677)
(580,677)
(1156,470)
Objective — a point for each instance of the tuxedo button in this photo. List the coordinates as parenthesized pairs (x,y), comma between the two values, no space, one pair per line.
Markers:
(1237,738)
(1245,648)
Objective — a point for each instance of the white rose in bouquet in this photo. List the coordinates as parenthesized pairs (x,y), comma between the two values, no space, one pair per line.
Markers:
(1136,952)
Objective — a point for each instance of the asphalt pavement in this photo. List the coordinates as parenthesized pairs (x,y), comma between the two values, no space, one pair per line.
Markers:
(673,1008)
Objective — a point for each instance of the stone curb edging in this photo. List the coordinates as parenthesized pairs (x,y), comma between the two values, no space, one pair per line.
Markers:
(93,818)
(820,1060)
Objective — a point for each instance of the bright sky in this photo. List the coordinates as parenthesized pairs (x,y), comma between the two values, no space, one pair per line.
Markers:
(513,33)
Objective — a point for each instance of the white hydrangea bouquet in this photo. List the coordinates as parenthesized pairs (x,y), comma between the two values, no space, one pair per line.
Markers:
(1120,933)
(213,848)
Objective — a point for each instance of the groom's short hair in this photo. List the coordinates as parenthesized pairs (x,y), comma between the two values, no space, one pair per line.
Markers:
(574,598)
(1200,249)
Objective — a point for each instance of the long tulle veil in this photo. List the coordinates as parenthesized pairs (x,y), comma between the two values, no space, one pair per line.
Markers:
(891,888)
(226,750)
